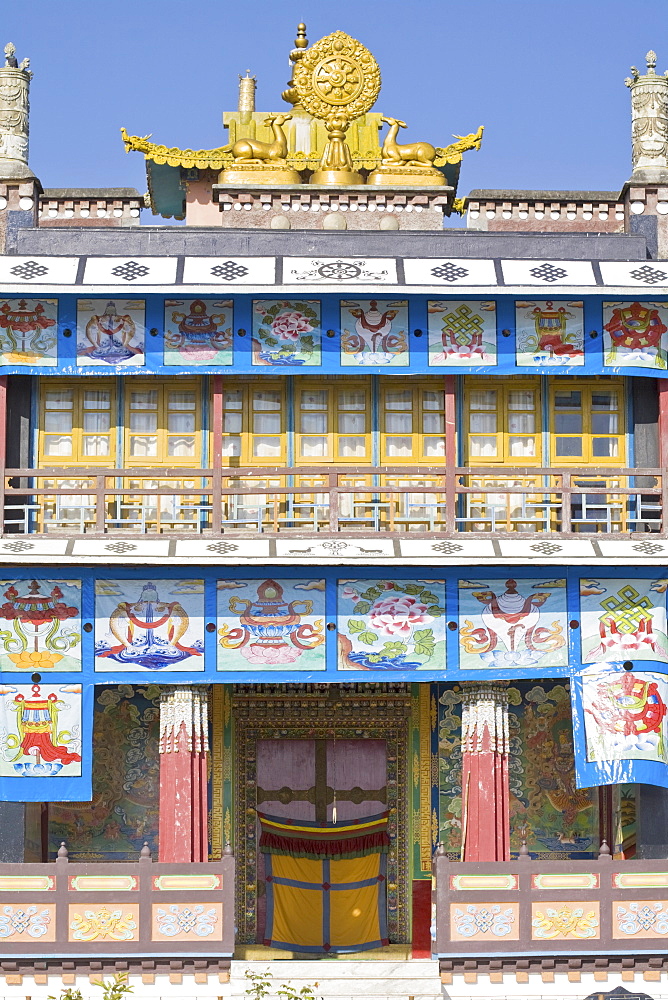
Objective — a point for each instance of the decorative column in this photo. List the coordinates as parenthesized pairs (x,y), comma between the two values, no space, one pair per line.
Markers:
(183,748)
(649,122)
(485,786)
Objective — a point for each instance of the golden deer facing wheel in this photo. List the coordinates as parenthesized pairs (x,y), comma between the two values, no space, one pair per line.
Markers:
(256,151)
(413,154)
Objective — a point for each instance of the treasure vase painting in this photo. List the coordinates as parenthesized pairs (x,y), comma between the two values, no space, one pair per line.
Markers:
(623,620)
(270,625)
(29,332)
(110,332)
(198,332)
(512,623)
(391,624)
(40,731)
(461,333)
(374,333)
(40,625)
(149,625)
(635,334)
(549,333)
(286,333)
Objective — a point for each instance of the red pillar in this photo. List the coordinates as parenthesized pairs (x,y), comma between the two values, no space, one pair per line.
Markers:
(183,833)
(485,785)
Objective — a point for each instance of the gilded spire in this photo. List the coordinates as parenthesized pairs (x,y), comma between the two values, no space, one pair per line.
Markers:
(301,42)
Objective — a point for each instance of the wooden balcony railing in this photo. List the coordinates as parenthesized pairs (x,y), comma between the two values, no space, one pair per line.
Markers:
(421,499)
(106,910)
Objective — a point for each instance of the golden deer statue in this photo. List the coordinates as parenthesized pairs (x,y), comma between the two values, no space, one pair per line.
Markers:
(256,151)
(414,154)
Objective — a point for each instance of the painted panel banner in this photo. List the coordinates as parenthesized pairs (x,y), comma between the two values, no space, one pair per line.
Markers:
(620,728)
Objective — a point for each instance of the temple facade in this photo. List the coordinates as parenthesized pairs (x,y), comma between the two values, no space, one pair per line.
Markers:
(362,657)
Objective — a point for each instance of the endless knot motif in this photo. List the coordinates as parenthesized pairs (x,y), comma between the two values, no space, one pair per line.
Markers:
(29,921)
(649,548)
(120,547)
(17,546)
(449,271)
(649,275)
(222,548)
(447,548)
(642,917)
(628,611)
(29,269)
(546,548)
(483,920)
(339,270)
(130,270)
(229,270)
(464,324)
(186,920)
(548,272)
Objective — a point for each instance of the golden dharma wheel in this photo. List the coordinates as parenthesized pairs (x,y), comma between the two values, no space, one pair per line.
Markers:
(337,76)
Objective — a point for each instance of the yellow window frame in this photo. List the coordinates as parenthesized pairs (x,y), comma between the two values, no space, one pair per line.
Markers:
(77,387)
(162,458)
(333,410)
(503,434)
(419,437)
(587,387)
(247,433)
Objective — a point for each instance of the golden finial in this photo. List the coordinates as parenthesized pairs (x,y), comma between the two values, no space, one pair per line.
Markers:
(246,96)
(301,42)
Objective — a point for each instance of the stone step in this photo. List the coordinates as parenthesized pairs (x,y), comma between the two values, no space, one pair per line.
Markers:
(341,968)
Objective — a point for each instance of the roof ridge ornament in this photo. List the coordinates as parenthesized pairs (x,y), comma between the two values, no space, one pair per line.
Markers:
(649,122)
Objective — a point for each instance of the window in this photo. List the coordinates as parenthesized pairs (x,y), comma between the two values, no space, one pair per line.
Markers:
(333,423)
(162,424)
(502,422)
(413,422)
(253,425)
(586,423)
(77,423)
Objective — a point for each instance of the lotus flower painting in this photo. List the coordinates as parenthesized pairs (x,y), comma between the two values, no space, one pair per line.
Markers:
(286,333)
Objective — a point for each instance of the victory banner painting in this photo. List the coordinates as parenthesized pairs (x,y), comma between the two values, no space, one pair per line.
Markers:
(391,624)
(110,331)
(549,333)
(149,625)
(270,625)
(198,332)
(461,333)
(29,332)
(286,333)
(40,625)
(511,623)
(635,334)
(623,620)
(374,333)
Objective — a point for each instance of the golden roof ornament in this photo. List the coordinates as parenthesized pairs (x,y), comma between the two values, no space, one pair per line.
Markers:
(290,96)
(337,80)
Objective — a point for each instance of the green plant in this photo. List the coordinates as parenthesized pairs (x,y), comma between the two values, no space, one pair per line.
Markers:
(260,985)
(112,989)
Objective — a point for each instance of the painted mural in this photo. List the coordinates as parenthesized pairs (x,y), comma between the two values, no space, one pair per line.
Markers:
(546,809)
(29,332)
(198,332)
(461,332)
(40,625)
(286,333)
(40,730)
(635,334)
(123,812)
(549,333)
(149,625)
(269,625)
(391,624)
(506,623)
(374,333)
(623,619)
(110,332)
(625,715)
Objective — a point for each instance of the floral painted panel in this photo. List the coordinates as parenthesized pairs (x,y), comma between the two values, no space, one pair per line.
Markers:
(374,333)
(635,334)
(270,625)
(198,332)
(40,625)
(286,333)
(461,332)
(149,625)
(110,332)
(549,333)
(509,623)
(29,332)
(623,620)
(391,625)
(40,730)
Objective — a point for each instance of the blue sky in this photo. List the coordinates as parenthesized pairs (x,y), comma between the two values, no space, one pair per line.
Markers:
(545,77)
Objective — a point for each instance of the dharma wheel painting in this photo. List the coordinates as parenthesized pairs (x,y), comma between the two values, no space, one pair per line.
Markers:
(110,331)
(266,624)
(29,332)
(623,620)
(549,333)
(391,624)
(374,333)
(625,715)
(462,333)
(635,334)
(286,333)
(40,625)
(511,623)
(198,332)
(40,730)
(149,625)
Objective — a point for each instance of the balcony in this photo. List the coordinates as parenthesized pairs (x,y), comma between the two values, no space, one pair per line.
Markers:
(342,500)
